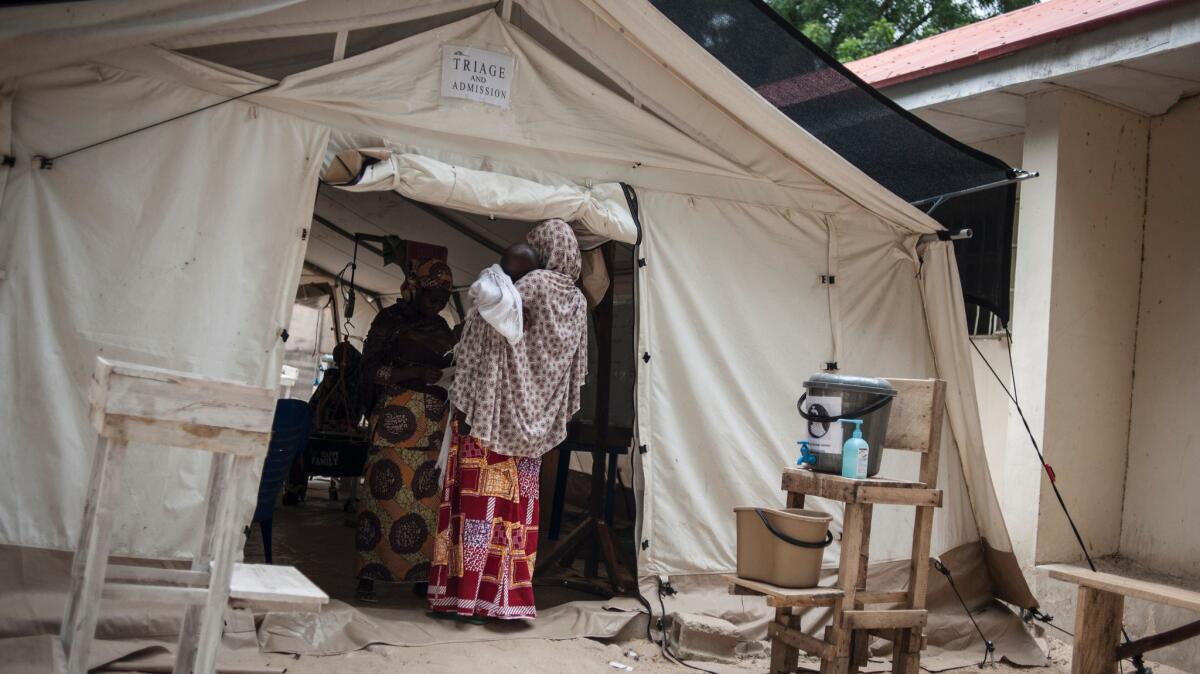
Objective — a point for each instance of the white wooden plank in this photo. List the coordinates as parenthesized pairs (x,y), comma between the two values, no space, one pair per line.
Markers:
(225,543)
(83,603)
(151,575)
(86,532)
(154,594)
(195,404)
(192,401)
(255,584)
(188,436)
(133,403)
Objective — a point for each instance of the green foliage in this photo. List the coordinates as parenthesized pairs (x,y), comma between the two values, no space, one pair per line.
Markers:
(854,29)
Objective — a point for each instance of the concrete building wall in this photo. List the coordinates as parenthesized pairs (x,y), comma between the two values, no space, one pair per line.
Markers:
(993,415)
(1075,314)
(1161,523)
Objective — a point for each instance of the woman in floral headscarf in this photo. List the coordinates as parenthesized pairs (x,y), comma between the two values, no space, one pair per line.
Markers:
(513,402)
(403,356)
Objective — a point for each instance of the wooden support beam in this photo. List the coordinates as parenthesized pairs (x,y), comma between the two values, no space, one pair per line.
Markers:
(1129,587)
(1097,631)
(1161,640)
(784,656)
(895,496)
(888,597)
(892,635)
(792,636)
(784,597)
(880,620)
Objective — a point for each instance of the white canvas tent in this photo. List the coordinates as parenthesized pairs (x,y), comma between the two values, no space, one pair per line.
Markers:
(182,245)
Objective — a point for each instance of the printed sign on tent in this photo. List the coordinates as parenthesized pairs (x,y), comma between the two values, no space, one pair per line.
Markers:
(477,75)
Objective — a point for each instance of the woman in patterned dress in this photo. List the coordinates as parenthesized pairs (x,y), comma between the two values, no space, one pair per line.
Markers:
(403,356)
(512,404)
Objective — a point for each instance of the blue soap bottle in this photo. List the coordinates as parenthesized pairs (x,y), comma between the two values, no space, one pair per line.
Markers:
(855,453)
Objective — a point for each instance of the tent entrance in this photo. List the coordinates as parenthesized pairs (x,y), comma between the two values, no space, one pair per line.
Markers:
(318,534)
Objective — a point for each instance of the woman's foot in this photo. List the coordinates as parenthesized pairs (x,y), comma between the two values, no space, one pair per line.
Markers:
(366,591)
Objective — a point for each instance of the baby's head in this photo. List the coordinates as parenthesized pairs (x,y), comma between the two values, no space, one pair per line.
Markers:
(518,260)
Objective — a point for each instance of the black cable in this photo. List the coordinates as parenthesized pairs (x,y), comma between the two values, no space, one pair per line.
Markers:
(989,647)
(1047,620)
(48,162)
(662,642)
(1037,448)
(1137,660)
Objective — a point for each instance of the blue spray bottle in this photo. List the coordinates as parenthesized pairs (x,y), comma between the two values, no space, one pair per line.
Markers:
(806,455)
(855,452)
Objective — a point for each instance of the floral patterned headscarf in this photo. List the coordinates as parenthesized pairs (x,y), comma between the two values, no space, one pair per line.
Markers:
(519,397)
(427,274)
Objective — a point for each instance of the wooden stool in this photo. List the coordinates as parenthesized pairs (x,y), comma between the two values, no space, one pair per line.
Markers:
(1099,612)
(915,425)
(232,421)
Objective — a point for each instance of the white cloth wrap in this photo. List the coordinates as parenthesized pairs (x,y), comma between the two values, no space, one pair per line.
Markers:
(495,297)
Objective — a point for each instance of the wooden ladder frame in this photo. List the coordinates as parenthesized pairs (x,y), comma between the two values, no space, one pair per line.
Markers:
(133,403)
(915,425)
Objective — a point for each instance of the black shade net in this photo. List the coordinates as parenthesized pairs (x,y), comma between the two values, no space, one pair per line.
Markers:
(890,144)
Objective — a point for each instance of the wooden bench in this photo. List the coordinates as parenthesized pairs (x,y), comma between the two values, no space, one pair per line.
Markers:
(1099,614)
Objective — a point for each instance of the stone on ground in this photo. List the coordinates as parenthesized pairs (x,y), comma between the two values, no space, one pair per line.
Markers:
(692,636)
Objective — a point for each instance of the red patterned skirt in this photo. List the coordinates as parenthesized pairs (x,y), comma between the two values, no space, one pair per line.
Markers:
(487,533)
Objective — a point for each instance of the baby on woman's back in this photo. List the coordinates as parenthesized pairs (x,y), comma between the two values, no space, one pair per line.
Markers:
(494,294)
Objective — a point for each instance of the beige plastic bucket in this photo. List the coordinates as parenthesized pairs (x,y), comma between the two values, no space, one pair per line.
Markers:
(768,557)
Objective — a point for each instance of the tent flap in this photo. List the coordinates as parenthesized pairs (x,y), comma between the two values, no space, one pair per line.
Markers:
(600,212)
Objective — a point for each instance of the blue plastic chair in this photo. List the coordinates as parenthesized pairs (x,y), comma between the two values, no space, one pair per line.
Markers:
(289,434)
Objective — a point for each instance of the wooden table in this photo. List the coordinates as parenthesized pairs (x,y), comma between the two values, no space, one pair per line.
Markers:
(1099,612)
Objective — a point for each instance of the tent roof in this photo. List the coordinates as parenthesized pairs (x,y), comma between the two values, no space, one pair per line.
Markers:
(740,146)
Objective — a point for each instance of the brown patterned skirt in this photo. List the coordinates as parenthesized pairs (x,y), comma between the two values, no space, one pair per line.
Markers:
(397,516)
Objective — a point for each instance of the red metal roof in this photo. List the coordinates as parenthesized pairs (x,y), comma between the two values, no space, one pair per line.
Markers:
(997,36)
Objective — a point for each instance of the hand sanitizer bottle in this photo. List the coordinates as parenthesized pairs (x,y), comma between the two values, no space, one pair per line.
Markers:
(806,455)
(855,453)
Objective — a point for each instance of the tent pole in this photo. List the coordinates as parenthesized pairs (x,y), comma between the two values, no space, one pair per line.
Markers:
(594,533)
(1016,176)
(456,226)
(604,330)
(345,234)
